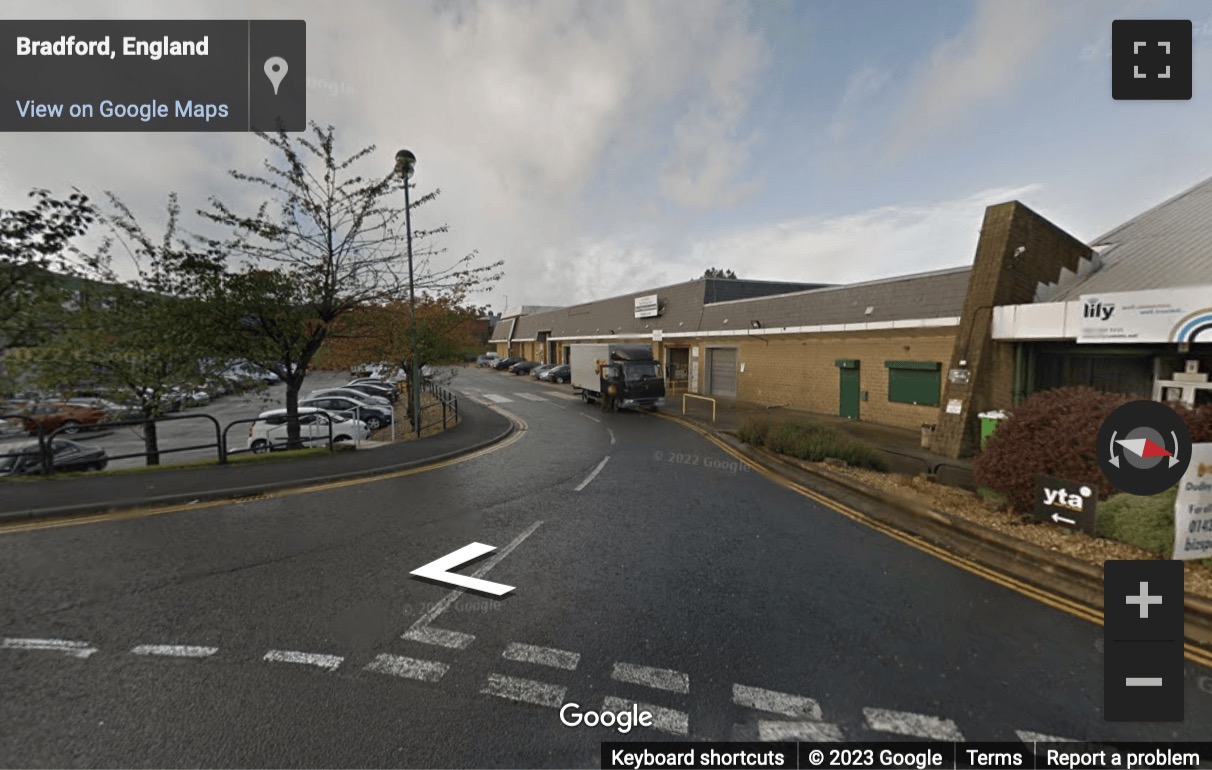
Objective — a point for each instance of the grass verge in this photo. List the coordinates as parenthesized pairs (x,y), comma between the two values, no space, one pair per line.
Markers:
(241,459)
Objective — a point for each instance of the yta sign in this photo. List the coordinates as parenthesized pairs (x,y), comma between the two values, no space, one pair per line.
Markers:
(1070,504)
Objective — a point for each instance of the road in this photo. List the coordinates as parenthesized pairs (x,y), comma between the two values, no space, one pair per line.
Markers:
(286,631)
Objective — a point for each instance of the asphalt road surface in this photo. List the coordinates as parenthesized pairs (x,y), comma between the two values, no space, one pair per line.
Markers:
(648,568)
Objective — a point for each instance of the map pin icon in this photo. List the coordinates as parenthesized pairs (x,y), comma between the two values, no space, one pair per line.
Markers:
(275,70)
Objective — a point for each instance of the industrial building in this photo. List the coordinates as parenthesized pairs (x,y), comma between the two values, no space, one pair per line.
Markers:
(1037,308)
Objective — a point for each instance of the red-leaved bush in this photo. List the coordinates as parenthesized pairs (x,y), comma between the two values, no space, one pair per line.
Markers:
(1052,432)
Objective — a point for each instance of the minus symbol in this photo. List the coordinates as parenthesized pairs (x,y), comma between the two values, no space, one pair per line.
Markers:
(1144,681)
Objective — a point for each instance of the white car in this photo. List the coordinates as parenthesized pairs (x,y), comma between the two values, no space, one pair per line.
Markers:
(270,430)
(356,395)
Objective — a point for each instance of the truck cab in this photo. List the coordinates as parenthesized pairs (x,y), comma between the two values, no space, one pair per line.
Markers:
(637,376)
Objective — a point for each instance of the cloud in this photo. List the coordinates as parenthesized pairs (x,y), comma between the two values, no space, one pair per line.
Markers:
(882,242)
(863,85)
(1004,47)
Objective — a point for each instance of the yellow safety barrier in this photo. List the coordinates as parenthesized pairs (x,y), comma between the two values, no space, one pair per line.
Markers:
(704,398)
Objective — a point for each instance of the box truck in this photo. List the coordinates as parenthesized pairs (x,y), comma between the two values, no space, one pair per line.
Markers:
(633,370)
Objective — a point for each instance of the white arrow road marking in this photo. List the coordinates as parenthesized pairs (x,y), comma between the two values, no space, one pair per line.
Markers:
(663,719)
(440,637)
(454,595)
(439,570)
(775,702)
(175,650)
(497,399)
(798,731)
(593,475)
(658,678)
(525,690)
(74,649)
(916,725)
(329,662)
(409,668)
(542,656)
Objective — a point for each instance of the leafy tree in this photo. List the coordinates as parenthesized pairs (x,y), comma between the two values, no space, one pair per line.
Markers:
(35,252)
(138,340)
(325,242)
(713,272)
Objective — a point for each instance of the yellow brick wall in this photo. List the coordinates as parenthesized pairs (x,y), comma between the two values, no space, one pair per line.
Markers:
(799,371)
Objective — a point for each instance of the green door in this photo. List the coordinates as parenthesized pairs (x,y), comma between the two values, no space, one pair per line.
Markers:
(848,397)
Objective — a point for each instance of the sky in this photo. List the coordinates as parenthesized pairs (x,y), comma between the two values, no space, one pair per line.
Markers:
(604,148)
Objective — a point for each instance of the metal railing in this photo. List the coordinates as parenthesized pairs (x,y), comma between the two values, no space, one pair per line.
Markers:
(45,456)
(448,402)
(218,443)
(303,440)
(701,398)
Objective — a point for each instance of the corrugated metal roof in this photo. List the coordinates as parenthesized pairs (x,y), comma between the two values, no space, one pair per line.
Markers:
(1167,246)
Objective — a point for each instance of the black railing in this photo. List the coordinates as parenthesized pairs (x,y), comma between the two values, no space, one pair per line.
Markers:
(39,433)
(217,444)
(447,402)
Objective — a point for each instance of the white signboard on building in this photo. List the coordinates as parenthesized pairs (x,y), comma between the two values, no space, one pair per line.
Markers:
(1160,315)
(647,307)
(1193,507)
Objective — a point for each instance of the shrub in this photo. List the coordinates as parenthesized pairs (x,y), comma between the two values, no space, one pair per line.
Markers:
(1145,522)
(1199,422)
(810,441)
(1053,432)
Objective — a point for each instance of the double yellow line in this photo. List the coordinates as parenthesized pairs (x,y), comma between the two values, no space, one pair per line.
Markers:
(1077,609)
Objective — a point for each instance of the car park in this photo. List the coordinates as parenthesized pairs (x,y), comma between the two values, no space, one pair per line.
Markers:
(374,416)
(370,398)
(270,432)
(376,388)
(558,374)
(25,457)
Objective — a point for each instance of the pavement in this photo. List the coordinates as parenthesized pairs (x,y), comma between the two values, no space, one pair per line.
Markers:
(649,568)
(901,447)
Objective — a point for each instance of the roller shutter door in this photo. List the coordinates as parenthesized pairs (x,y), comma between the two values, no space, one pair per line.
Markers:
(722,371)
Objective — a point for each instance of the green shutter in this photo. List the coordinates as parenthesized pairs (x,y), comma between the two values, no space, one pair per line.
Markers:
(914,382)
(846,363)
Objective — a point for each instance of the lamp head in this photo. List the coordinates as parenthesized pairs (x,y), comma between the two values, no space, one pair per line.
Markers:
(406,163)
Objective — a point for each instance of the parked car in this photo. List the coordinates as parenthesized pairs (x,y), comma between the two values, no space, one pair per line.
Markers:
(113,410)
(384,389)
(487,359)
(504,363)
(370,398)
(538,371)
(373,415)
(66,455)
(248,372)
(270,432)
(560,374)
(524,367)
(54,416)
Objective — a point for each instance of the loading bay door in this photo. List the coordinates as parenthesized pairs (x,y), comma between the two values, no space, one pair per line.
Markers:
(721,371)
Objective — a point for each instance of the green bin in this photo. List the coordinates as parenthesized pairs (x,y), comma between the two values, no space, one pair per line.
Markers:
(989,421)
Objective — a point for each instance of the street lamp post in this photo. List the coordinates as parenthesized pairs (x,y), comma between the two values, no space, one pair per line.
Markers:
(406,163)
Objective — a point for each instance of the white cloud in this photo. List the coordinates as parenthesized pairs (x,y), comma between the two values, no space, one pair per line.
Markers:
(1004,47)
(861,89)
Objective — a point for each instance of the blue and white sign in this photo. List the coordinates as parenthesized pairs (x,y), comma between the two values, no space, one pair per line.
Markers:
(1181,315)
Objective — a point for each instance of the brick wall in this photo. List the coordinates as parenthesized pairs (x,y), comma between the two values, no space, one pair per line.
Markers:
(800,371)
(1000,276)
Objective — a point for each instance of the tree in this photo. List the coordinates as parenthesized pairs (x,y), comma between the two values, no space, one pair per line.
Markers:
(324,243)
(139,340)
(35,252)
(713,272)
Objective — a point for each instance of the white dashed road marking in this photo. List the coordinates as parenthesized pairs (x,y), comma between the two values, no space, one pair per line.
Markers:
(659,678)
(593,474)
(497,399)
(775,702)
(74,649)
(175,650)
(530,396)
(663,719)
(329,662)
(590,417)
(608,430)
(916,725)
(1026,736)
(798,731)
(408,668)
(440,637)
(542,656)
(525,690)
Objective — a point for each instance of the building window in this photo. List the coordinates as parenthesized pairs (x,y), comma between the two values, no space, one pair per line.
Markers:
(914,382)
